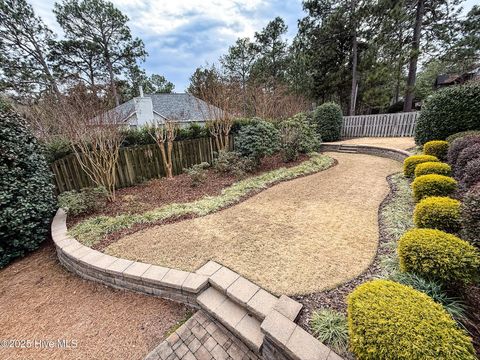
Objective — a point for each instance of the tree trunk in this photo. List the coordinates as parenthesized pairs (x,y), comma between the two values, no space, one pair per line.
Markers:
(412,69)
(112,79)
(353,93)
(167,160)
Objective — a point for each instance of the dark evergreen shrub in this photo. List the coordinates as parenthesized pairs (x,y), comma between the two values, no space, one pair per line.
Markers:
(257,139)
(449,111)
(467,154)
(26,190)
(328,118)
(458,145)
(471,175)
(471,215)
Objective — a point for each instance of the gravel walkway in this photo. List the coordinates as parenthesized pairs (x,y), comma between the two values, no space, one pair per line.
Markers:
(298,237)
(40,300)
(402,143)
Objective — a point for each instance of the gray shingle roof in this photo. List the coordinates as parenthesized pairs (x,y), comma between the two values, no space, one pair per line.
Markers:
(181,107)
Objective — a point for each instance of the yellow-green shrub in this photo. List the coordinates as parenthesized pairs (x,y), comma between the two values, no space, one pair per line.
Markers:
(437,148)
(391,321)
(434,254)
(433,185)
(435,212)
(431,167)
(411,162)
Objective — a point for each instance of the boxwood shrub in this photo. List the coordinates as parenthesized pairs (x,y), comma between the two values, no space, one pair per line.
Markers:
(458,145)
(471,174)
(391,321)
(469,153)
(433,185)
(427,168)
(435,212)
(84,201)
(438,148)
(471,215)
(411,162)
(328,118)
(26,190)
(437,255)
(449,111)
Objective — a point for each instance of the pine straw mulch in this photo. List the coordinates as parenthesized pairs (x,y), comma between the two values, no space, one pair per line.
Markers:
(40,300)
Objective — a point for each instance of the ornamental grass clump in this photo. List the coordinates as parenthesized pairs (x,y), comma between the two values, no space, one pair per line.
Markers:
(427,168)
(331,328)
(437,255)
(391,321)
(436,212)
(433,185)
(437,148)
(410,163)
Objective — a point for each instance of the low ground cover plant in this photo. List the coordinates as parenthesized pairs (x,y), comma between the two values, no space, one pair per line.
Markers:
(331,328)
(436,212)
(328,118)
(433,185)
(94,229)
(471,215)
(437,255)
(410,163)
(26,190)
(437,148)
(449,111)
(439,168)
(84,201)
(388,320)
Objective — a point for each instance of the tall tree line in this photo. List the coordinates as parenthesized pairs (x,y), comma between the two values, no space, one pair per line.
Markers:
(98,52)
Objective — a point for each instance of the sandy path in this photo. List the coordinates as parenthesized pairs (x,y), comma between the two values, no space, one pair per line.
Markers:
(297,237)
(402,143)
(40,300)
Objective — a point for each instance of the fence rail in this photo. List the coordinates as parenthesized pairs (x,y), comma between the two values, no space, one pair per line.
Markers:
(380,125)
(137,164)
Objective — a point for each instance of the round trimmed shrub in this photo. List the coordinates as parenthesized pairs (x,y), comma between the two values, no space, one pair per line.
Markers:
(437,255)
(461,134)
(470,153)
(471,215)
(437,148)
(391,321)
(411,162)
(26,190)
(433,185)
(427,168)
(449,111)
(435,212)
(257,139)
(328,118)
(458,145)
(471,175)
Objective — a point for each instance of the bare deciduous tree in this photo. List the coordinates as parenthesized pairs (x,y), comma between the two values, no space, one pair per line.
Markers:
(165,134)
(95,135)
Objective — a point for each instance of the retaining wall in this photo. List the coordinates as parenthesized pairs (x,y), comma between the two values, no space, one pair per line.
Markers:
(394,154)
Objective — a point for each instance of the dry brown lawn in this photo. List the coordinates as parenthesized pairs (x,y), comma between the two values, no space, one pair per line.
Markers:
(402,143)
(40,300)
(297,237)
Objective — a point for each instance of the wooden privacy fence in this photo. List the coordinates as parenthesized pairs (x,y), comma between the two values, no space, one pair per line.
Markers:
(380,125)
(137,163)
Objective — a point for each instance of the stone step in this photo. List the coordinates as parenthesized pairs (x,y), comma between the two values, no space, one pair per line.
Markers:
(347,149)
(233,316)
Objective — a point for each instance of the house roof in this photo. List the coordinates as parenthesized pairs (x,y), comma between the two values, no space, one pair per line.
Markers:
(181,107)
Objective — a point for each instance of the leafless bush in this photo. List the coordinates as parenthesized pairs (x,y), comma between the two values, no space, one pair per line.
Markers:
(165,134)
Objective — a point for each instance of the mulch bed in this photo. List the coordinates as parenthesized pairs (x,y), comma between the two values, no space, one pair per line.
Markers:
(41,300)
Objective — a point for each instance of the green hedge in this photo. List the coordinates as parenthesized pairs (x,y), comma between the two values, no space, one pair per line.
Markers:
(391,321)
(437,148)
(257,139)
(442,213)
(437,255)
(449,111)
(433,185)
(26,190)
(328,118)
(410,163)
(427,168)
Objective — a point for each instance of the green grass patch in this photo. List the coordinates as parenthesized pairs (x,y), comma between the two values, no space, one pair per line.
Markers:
(92,230)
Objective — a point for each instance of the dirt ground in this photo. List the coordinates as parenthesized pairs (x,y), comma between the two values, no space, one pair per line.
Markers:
(402,143)
(298,237)
(40,300)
